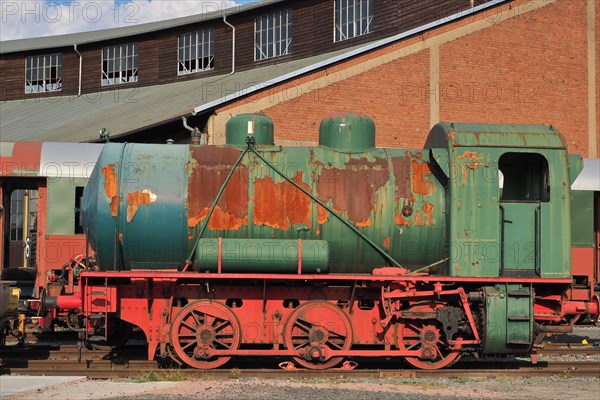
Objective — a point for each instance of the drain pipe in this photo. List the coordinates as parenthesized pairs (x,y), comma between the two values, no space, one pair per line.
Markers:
(80,67)
(195,132)
(232,45)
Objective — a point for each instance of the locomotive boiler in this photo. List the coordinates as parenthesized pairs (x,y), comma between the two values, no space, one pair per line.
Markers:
(165,193)
(336,251)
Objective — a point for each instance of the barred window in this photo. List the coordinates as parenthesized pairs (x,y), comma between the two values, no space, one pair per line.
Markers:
(119,64)
(196,51)
(273,35)
(352,18)
(43,73)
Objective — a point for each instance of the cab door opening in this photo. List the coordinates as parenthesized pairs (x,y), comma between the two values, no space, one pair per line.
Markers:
(524,194)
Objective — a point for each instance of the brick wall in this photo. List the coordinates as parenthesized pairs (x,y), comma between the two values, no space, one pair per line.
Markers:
(528,69)
(525,62)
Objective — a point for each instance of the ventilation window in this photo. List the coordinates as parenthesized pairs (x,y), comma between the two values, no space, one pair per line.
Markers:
(196,51)
(43,73)
(273,35)
(352,18)
(119,64)
(524,177)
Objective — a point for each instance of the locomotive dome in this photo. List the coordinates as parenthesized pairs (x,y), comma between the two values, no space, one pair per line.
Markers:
(347,132)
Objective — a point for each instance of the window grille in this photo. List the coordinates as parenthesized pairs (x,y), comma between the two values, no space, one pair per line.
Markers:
(119,64)
(196,52)
(273,35)
(43,73)
(352,18)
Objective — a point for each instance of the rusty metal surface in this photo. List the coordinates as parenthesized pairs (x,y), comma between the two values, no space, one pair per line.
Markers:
(390,195)
(280,205)
(208,168)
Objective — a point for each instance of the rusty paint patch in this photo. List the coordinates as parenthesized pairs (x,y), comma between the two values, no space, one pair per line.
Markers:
(111,187)
(419,220)
(428,209)
(399,220)
(401,168)
(386,243)
(322,215)
(136,200)
(364,177)
(219,220)
(209,166)
(363,223)
(475,160)
(121,238)
(421,184)
(281,205)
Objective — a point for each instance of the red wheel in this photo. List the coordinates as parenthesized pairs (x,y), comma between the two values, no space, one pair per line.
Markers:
(428,337)
(200,327)
(313,329)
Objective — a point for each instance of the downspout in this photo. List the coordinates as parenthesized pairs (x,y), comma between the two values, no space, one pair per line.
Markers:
(232,45)
(80,68)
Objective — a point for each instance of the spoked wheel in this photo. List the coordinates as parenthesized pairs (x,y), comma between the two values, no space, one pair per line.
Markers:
(201,327)
(315,328)
(428,337)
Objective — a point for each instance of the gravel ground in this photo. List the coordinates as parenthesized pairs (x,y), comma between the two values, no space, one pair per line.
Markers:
(358,389)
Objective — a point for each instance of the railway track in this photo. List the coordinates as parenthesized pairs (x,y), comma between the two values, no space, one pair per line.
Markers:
(64,358)
(130,362)
(105,369)
(138,351)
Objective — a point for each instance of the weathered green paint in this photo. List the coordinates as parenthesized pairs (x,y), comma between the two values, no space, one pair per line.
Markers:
(262,255)
(260,125)
(575,167)
(421,206)
(60,205)
(476,241)
(347,132)
(508,319)
(159,236)
(519,235)
(582,222)
(153,235)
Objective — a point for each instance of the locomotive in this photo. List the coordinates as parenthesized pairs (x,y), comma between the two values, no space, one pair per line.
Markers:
(341,250)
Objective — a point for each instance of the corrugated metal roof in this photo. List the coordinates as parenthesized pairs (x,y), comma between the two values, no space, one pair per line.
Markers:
(12,46)
(78,119)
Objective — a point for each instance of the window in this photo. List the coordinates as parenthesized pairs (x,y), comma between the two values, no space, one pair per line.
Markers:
(78,213)
(524,177)
(43,73)
(273,35)
(119,64)
(22,202)
(196,52)
(352,18)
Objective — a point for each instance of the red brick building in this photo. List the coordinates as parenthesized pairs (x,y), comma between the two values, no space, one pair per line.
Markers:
(415,64)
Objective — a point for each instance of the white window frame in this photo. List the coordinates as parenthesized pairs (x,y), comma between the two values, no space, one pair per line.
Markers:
(273,35)
(200,48)
(121,64)
(47,71)
(352,18)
